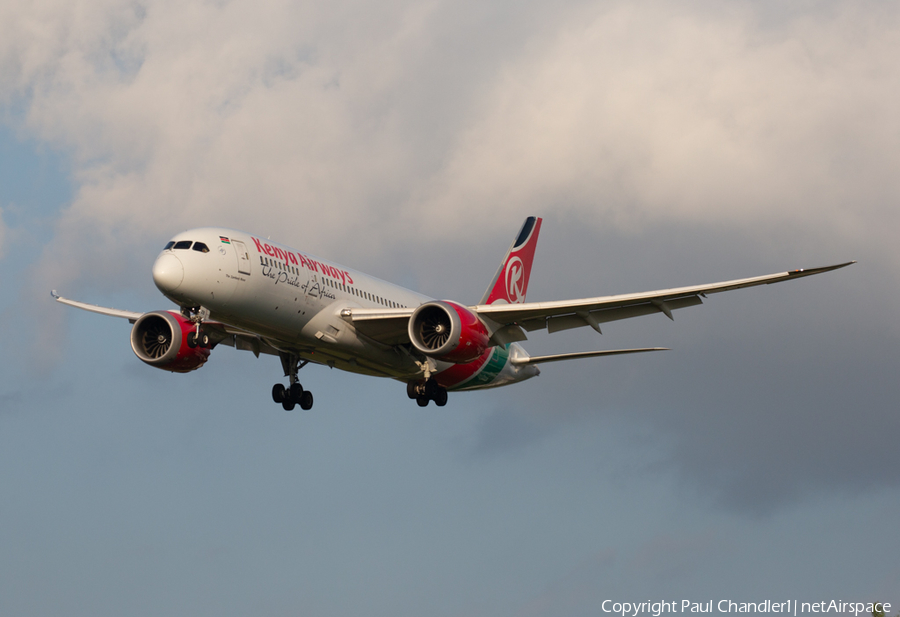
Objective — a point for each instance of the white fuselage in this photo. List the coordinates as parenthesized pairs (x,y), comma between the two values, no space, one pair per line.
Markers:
(293,301)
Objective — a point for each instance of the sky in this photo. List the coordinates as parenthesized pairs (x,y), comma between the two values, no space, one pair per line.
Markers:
(663,143)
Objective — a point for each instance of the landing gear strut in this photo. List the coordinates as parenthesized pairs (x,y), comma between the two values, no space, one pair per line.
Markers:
(294,394)
(428,390)
(196,314)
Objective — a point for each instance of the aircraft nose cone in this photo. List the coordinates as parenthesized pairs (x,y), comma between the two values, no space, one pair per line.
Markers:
(168,273)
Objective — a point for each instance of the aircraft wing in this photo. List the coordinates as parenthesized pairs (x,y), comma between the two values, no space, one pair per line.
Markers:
(566,314)
(129,315)
(389,326)
(220,333)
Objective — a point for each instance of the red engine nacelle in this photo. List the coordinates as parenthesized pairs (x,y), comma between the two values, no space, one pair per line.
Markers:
(160,339)
(448,331)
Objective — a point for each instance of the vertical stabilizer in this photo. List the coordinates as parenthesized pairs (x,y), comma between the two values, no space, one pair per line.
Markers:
(511,281)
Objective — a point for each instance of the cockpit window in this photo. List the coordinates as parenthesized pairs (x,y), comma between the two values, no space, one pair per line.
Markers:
(199,246)
(184,244)
(169,245)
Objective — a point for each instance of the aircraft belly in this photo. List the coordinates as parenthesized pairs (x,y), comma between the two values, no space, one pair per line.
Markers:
(491,370)
(310,326)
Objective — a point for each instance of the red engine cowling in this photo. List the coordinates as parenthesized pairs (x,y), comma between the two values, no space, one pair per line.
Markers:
(160,339)
(448,331)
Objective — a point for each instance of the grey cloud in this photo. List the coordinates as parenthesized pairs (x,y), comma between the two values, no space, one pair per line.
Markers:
(635,113)
(616,113)
(768,397)
(506,430)
(407,133)
(10,400)
(3,228)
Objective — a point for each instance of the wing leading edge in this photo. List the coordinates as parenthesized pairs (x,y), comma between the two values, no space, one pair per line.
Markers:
(93,308)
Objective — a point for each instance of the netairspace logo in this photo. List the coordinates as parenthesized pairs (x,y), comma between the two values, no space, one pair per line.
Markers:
(634,609)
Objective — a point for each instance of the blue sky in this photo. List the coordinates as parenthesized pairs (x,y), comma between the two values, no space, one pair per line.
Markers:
(663,144)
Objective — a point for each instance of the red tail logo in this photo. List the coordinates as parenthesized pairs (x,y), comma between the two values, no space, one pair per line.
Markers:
(511,281)
(515,282)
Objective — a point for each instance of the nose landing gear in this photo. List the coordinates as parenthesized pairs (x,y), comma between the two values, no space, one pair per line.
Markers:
(294,394)
(197,315)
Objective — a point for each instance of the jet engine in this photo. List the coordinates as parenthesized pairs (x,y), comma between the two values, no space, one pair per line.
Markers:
(160,339)
(448,331)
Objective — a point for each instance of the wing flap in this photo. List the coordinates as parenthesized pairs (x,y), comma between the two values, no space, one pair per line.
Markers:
(567,322)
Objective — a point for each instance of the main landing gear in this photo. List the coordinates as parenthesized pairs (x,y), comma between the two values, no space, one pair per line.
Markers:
(294,394)
(291,396)
(428,390)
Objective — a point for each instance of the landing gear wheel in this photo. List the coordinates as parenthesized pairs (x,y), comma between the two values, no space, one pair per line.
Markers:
(431,388)
(422,401)
(411,389)
(279,395)
(296,391)
(440,399)
(192,339)
(203,341)
(294,394)
(306,400)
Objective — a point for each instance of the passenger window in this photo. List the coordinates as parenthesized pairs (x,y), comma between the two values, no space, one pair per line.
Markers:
(169,245)
(184,244)
(199,246)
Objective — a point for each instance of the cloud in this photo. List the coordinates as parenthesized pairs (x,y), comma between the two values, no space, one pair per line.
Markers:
(2,235)
(637,113)
(347,118)
(425,129)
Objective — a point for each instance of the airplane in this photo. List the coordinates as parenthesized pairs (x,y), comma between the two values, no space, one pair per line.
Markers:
(239,290)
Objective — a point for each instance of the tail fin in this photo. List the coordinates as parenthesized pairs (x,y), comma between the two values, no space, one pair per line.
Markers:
(511,281)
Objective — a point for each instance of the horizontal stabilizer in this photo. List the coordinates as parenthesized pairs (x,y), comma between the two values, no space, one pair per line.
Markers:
(582,354)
